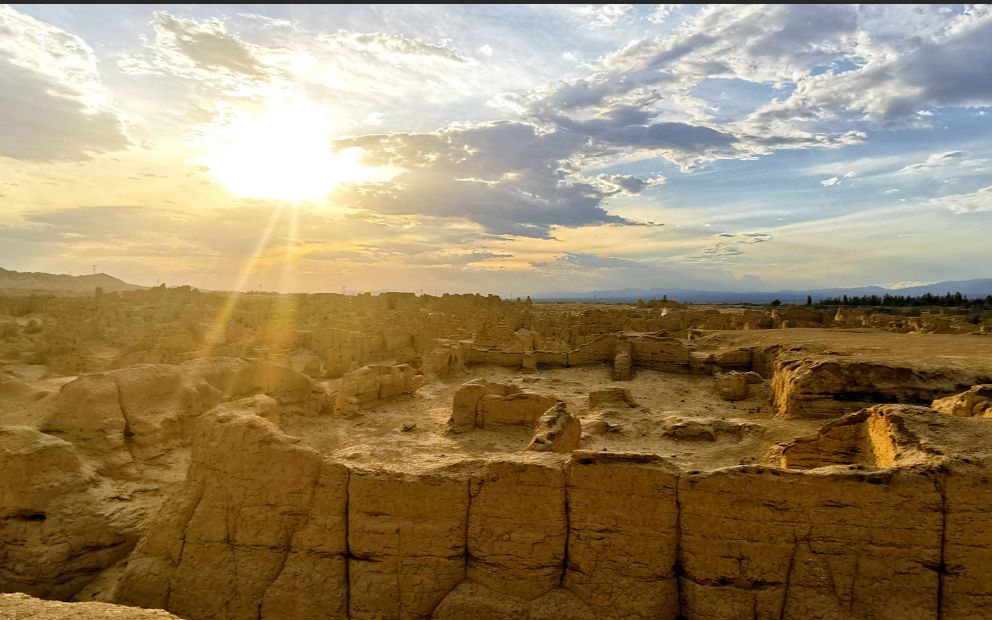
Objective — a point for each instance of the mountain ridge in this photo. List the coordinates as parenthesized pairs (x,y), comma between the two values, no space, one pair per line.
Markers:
(42,282)
(979,287)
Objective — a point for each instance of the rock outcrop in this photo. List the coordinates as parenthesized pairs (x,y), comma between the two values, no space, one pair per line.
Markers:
(706,429)
(485,404)
(611,397)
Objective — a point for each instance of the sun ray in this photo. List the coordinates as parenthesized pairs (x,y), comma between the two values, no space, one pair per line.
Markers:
(216,333)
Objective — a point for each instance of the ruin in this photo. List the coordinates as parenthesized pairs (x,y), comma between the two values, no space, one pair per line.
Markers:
(462,456)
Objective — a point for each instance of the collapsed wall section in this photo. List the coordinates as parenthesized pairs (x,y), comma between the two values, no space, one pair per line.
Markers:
(821,386)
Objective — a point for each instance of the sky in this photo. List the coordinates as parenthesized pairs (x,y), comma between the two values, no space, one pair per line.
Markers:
(508,149)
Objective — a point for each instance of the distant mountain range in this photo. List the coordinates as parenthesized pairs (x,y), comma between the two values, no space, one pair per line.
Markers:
(23,283)
(969,288)
(19,282)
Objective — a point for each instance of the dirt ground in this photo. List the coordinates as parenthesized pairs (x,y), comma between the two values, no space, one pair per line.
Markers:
(411,431)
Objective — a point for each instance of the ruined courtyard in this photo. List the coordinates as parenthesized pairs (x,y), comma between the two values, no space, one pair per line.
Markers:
(261,456)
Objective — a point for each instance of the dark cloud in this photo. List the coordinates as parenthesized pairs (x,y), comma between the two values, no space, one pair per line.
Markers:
(510,177)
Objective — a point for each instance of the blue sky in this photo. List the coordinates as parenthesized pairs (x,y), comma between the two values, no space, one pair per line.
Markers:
(511,149)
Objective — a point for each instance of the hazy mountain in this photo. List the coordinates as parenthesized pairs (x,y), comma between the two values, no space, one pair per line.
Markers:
(39,282)
(970,288)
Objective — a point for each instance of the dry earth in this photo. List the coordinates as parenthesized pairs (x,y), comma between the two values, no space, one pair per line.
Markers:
(394,456)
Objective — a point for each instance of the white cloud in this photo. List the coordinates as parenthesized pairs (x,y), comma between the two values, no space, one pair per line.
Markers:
(52,102)
(626,183)
(960,204)
(865,166)
(934,161)
(486,50)
(656,77)
(944,68)
(830,182)
(373,120)
(601,15)
(661,12)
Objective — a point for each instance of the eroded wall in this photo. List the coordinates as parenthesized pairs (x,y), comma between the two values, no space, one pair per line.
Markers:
(267,528)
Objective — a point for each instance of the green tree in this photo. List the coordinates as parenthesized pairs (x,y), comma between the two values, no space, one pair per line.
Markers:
(809,300)
(776,303)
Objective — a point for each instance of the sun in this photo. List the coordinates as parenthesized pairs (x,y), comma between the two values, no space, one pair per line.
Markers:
(281,153)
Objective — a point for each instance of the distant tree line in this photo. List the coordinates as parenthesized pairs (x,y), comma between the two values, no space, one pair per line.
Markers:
(949,300)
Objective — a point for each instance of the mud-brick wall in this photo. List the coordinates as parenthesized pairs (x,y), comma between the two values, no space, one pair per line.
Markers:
(269,529)
(823,386)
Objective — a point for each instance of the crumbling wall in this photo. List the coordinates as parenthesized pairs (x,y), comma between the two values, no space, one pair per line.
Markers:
(819,386)
(763,542)
(406,542)
(446,358)
(623,535)
(660,352)
(258,530)
(268,529)
(53,537)
(522,409)
(369,384)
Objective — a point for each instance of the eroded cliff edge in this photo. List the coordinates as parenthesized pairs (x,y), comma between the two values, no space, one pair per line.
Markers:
(265,527)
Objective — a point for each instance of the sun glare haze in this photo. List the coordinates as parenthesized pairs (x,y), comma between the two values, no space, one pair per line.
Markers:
(283,153)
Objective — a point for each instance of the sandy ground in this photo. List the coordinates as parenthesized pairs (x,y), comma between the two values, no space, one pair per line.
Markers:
(674,417)
(410,431)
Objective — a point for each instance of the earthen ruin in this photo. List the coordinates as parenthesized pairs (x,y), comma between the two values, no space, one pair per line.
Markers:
(305,457)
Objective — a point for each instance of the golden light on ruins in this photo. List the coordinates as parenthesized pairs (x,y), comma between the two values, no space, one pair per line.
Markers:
(570,312)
